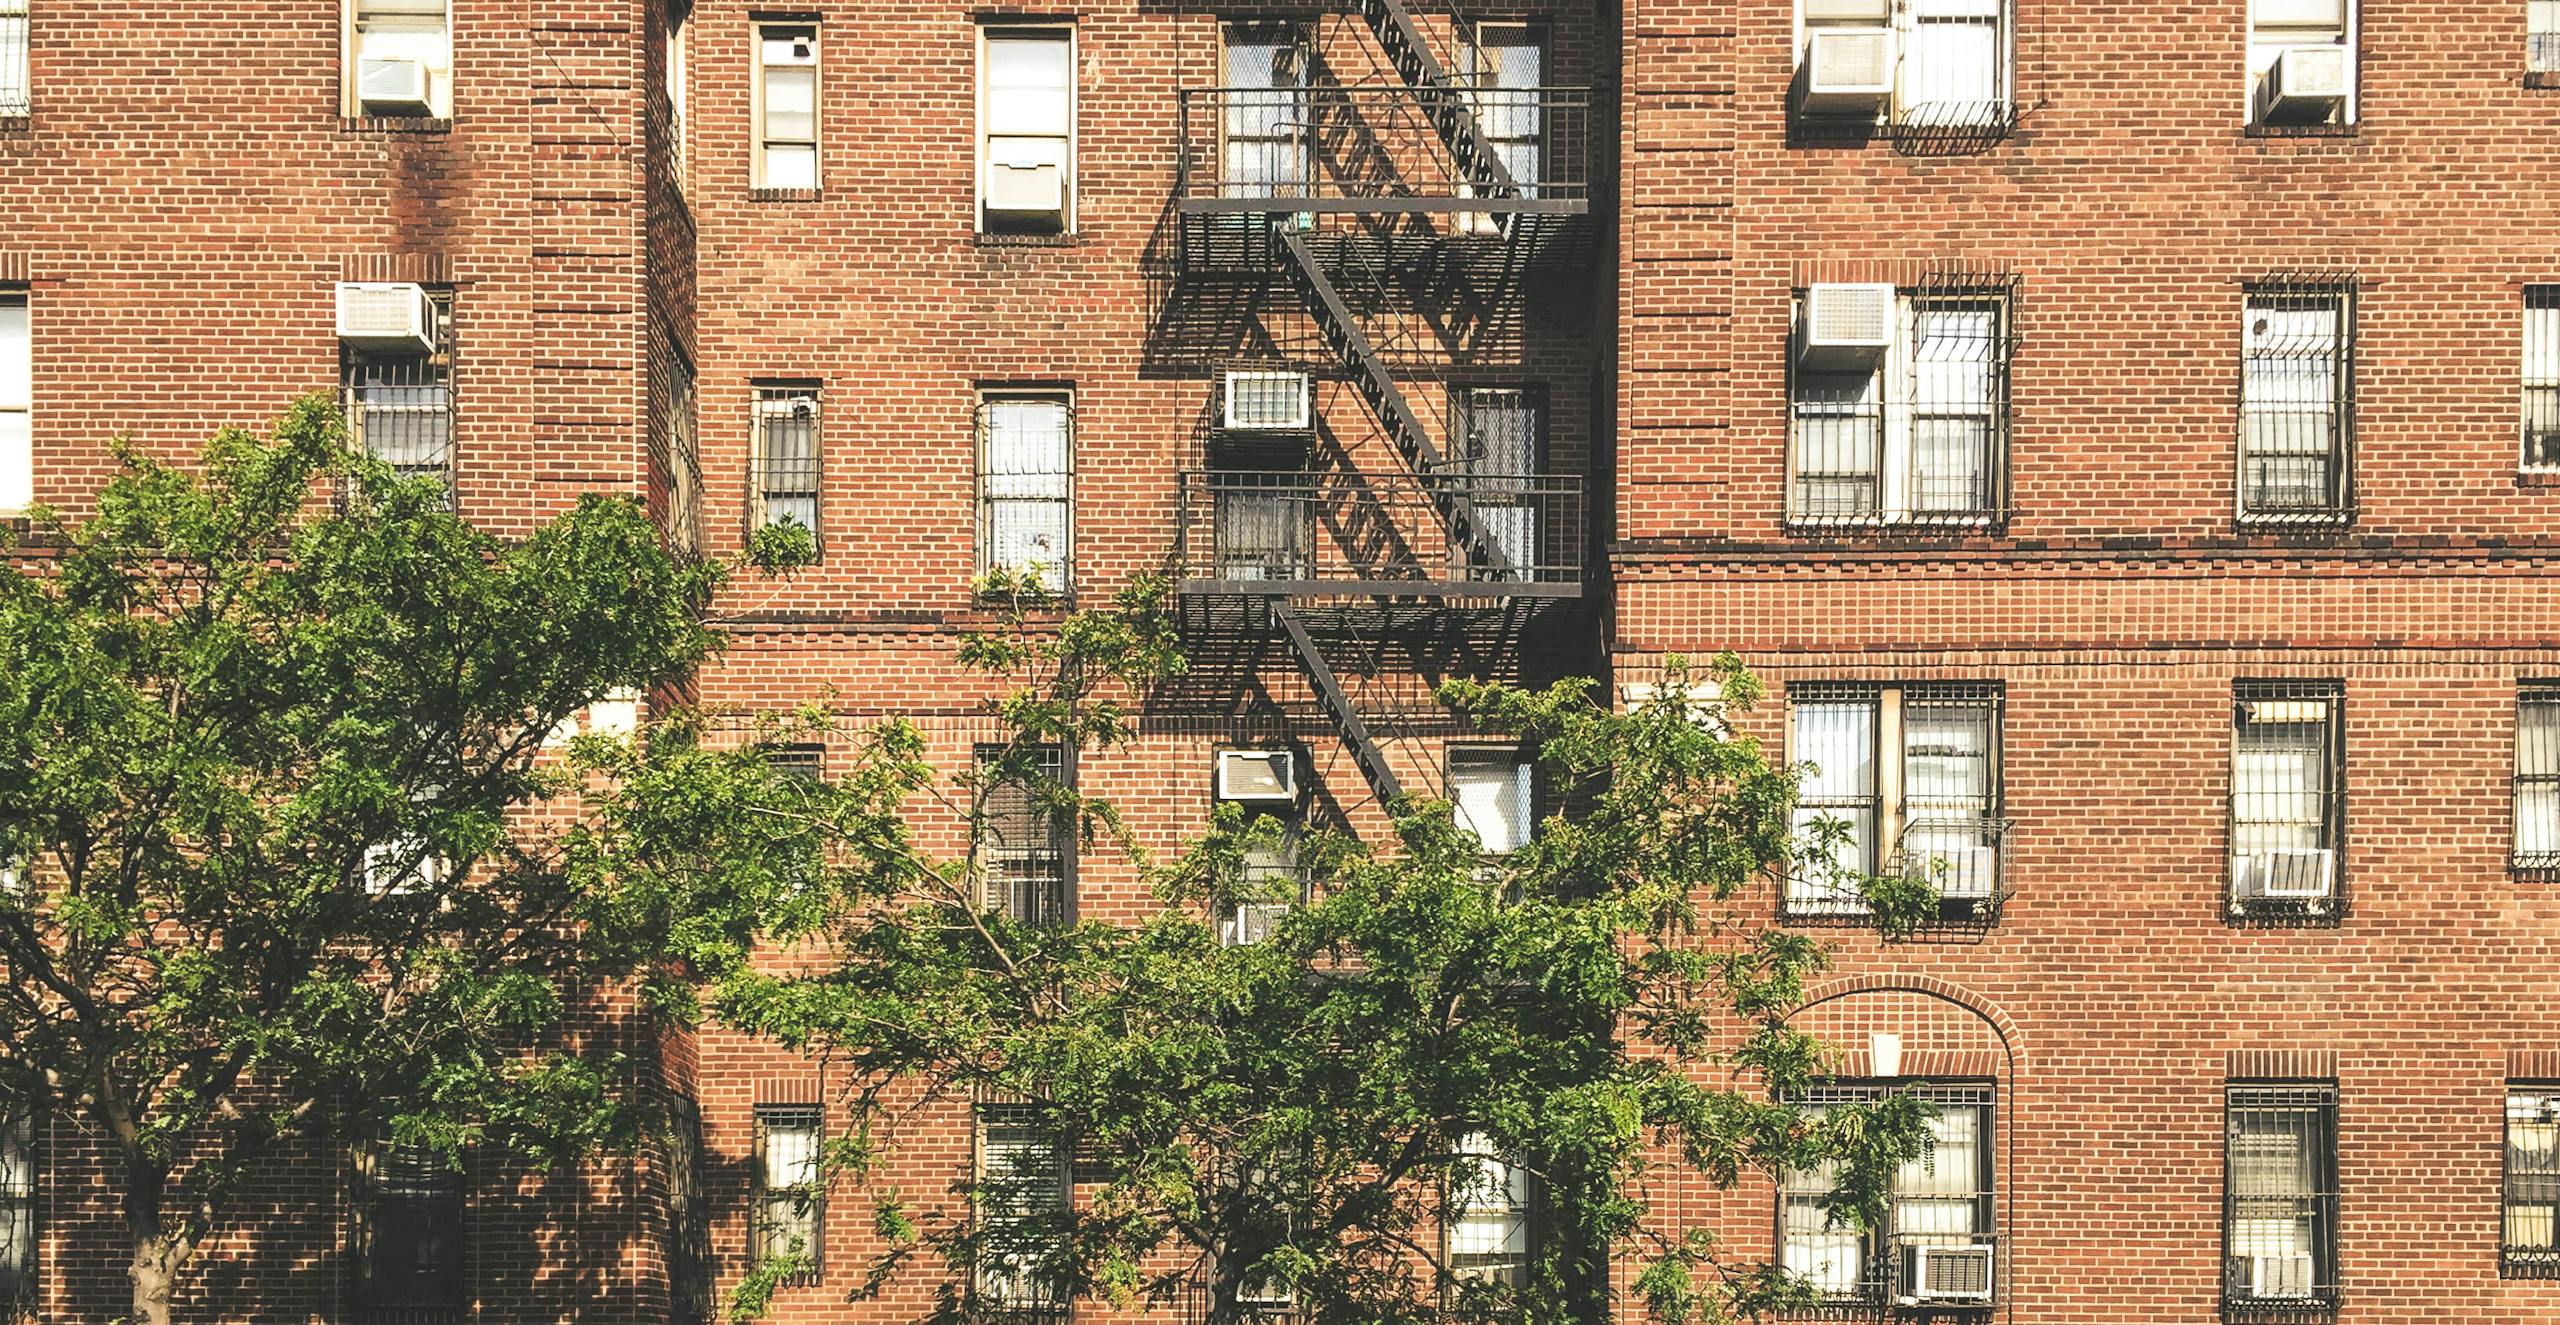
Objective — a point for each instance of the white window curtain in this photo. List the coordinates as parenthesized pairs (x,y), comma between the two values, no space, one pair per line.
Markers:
(789,1218)
(1024,484)
(1837,738)
(1937,1194)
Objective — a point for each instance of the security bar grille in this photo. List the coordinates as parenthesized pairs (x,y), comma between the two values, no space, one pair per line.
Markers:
(2542,36)
(2536,850)
(2297,400)
(1942,1200)
(787,460)
(14,98)
(1025,473)
(412,1230)
(1914,766)
(1023,843)
(788,1203)
(1921,438)
(2280,1200)
(2541,377)
(1021,1189)
(400,406)
(2529,1243)
(2288,803)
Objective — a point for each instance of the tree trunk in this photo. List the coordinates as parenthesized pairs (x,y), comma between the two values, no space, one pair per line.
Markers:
(159,1252)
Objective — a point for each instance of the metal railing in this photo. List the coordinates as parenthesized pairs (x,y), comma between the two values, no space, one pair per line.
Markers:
(1317,148)
(1260,530)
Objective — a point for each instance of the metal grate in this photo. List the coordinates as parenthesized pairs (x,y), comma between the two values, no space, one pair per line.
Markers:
(400,406)
(2297,400)
(1938,745)
(1023,842)
(2541,378)
(1025,484)
(2529,1240)
(2288,802)
(2535,851)
(411,1238)
(2280,1199)
(1021,1190)
(17,1215)
(787,457)
(1942,1201)
(1920,439)
(788,1214)
(15,99)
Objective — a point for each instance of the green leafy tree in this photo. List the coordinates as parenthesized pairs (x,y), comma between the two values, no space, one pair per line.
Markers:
(291,870)
(1434,1034)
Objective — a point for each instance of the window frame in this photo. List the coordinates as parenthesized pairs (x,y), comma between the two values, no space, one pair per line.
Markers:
(441,368)
(2538,370)
(769,1116)
(351,44)
(22,299)
(2261,51)
(998,29)
(1892,395)
(1064,397)
(1894,112)
(675,74)
(771,396)
(1004,871)
(441,1205)
(2543,864)
(2261,909)
(17,61)
(2321,1204)
(2296,293)
(1888,801)
(761,29)
(1879,1248)
(2517,1261)
(22,1136)
(1506,1268)
(1050,1299)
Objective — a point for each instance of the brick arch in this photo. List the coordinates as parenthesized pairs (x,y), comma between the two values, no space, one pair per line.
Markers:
(2012,1043)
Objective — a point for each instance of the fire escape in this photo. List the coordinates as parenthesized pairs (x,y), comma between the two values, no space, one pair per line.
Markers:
(1336,201)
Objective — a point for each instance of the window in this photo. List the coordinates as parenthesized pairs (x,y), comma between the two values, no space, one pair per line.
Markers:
(1912,773)
(682,461)
(1917,434)
(400,403)
(1273,882)
(399,56)
(2297,401)
(2529,1246)
(1267,125)
(410,1251)
(1940,1206)
(2541,376)
(675,71)
(2280,1195)
(1020,1194)
(2302,65)
(1025,474)
(803,763)
(1027,129)
(786,450)
(1504,68)
(691,1268)
(2542,36)
(15,100)
(2536,848)
(1488,1232)
(790,1197)
(2288,801)
(1949,73)
(1500,436)
(1493,793)
(786,106)
(17,1211)
(1024,839)
(17,401)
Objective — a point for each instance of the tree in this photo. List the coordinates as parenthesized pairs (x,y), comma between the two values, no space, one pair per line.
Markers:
(1433,1037)
(293,870)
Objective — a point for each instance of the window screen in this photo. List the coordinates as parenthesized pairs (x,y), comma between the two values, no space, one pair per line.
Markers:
(1491,791)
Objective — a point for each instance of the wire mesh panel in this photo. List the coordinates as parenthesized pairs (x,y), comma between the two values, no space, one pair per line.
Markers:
(1266,122)
(14,88)
(787,1217)
(2529,1243)
(2280,1197)
(787,456)
(1021,1188)
(1023,843)
(17,1214)
(400,405)
(2536,849)
(2288,801)
(2541,377)
(1024,455)
(2297,395)
(412,1228)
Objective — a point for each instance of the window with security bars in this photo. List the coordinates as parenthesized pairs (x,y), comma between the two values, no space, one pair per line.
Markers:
(786,449)
(787,1215)
(2529,1243)
(2297,401)
(1487,1236)
(805,763)
(691,1267)
(1914,433)
(400,405)
(2542,36)
(1912,774)
(17,1213)
(2541,377)
(1936,1240)
(399,59)
(1494,795)
(1267,129)
(2288,801)
(1018,1202)
(2280,1197)
(1499,434)
(2536,849)
(15,91)
(410,1239)
(1023,838)
(1025,486)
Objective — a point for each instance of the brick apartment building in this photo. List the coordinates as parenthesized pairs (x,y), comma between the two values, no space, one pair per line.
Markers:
(2125,437)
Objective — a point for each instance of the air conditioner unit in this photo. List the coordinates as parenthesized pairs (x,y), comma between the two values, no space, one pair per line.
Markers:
(1847,326)
(1960,872)
(2305,84)
(392,84)
(1267,400)
(1251,923)
(1847,70)
(2280,1277)
(1257,775)
(1946,1274)
(1026,188)
(2298,873)
(375,315)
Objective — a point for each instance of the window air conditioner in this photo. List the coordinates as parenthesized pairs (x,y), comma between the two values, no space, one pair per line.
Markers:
(1257,775)
(2305,84)
(1267,400)
(2298,873)
(375,315)
(1026,188)
(2278,1277)
(392,84)
(1847,326)
(1947,1274)
(1960,872)
(1847,71)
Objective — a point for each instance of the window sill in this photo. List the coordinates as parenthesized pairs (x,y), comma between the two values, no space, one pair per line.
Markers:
(400,124)
(2538,478)
(16,124)
(2300,130)
(2543,80)
(1006,239)
(785,195)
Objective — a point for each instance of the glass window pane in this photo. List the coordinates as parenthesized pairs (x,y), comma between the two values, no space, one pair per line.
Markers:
(17,358)
(1029,85)
(790,167)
